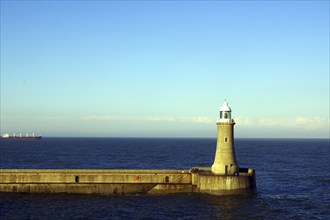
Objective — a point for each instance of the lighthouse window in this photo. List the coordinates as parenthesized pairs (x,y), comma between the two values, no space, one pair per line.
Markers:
(226,139)
(222,114)
(225,115)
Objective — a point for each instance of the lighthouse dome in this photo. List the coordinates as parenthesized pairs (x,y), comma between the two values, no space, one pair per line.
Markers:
(225,107)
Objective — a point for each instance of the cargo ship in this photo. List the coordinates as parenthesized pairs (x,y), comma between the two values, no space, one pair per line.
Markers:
(20,137)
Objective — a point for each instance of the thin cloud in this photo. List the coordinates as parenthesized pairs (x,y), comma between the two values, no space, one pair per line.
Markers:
(311,123)
(156,119)
(202,120)
(102,118)
(197,119)
(36,117)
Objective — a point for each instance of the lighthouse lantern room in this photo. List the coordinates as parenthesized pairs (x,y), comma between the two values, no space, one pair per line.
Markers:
(225,113)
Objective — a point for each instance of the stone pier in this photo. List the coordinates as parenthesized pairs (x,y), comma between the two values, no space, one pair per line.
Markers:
(108,182)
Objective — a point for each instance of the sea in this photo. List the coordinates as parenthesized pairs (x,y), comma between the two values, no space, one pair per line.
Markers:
(292,175)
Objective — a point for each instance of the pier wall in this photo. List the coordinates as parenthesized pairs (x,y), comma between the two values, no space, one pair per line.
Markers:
(125,181)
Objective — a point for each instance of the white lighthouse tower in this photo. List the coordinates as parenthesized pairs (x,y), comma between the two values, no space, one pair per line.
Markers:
(225,160)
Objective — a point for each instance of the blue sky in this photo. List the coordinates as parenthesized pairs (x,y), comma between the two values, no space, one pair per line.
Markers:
(163,69)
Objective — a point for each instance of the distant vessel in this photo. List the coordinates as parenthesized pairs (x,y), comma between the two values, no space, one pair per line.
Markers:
(7,136)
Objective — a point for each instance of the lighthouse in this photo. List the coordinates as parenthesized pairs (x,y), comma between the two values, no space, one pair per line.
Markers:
(225,160)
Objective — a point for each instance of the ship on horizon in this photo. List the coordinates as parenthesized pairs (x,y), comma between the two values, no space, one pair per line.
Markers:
(7,136)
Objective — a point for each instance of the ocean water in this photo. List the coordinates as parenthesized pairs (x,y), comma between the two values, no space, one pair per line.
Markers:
(293,178)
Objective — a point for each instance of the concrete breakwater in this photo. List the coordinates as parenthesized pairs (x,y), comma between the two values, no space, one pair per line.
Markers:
(225,177)
(107,182)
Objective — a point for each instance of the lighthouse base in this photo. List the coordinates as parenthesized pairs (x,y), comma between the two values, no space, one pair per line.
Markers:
(122,182)
(244,182)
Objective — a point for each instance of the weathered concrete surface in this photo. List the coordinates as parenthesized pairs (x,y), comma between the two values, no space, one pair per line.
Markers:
(242,183)
(95,176)
(96,181)
(196,180)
